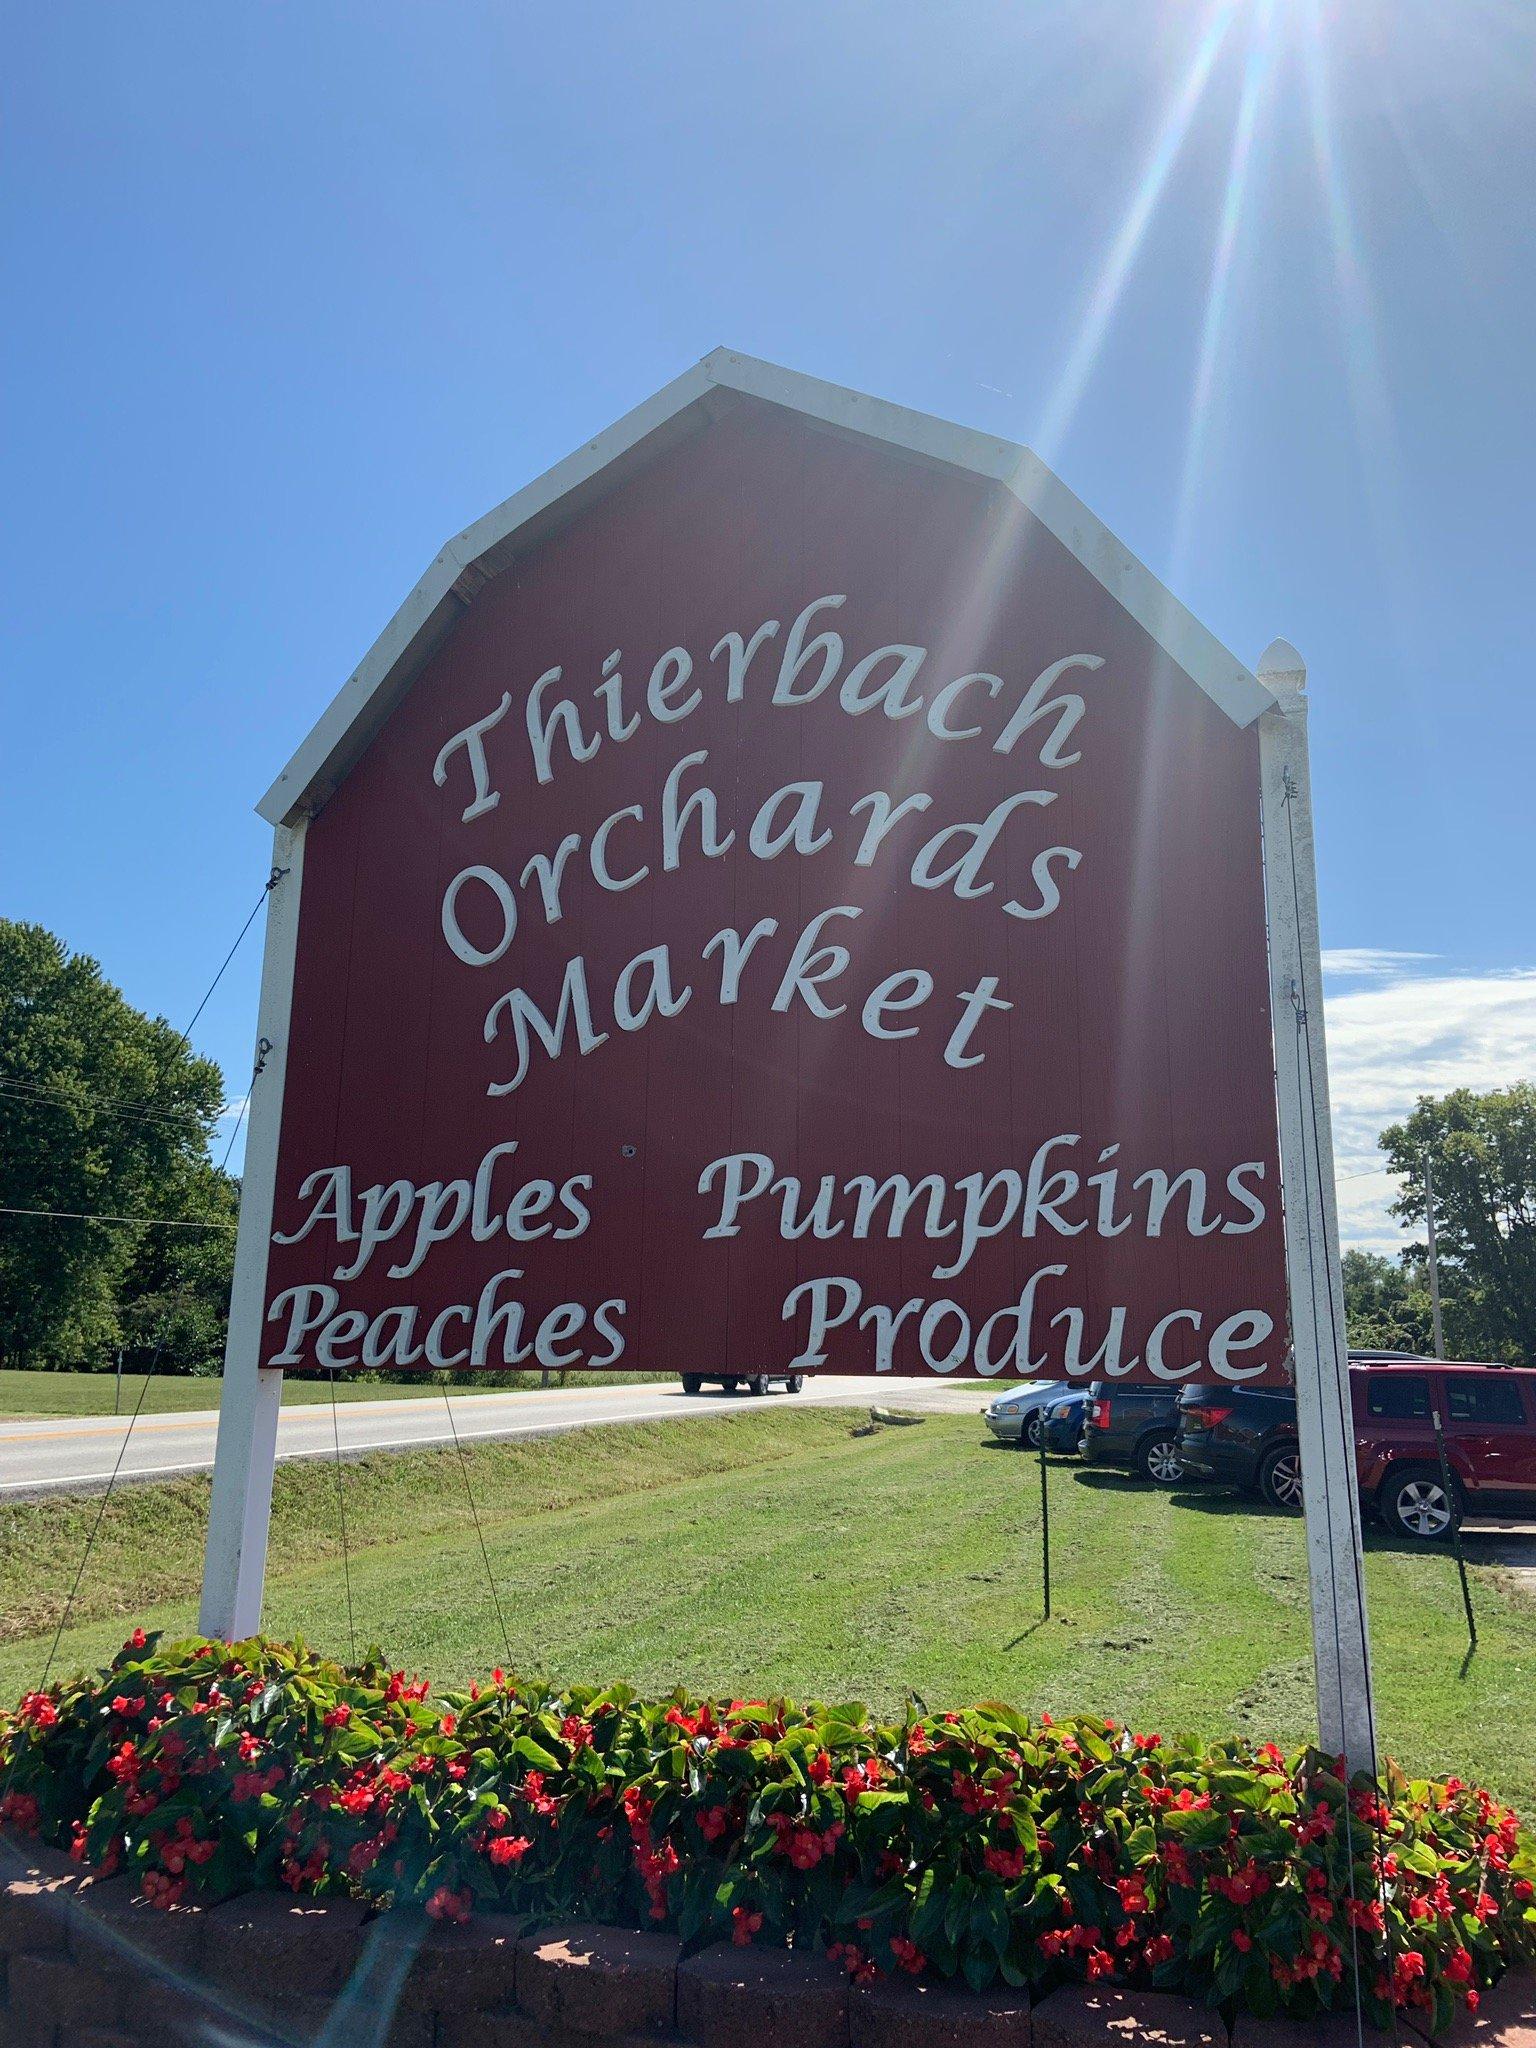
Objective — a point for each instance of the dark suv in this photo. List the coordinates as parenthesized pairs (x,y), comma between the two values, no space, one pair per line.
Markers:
(1136,1428)
(1243,1437)
(1247,1437)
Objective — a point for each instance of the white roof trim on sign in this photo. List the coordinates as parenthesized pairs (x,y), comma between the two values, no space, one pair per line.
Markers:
(465,564)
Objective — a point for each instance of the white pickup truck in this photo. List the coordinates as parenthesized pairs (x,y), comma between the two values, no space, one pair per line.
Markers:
(754,1382)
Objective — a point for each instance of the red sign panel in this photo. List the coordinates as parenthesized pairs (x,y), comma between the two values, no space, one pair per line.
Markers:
(797,920)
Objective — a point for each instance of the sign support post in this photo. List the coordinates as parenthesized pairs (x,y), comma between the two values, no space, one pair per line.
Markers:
(245,1458)
(1340,1637)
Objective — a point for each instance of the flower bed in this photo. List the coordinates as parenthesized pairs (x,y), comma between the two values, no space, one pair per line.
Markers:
(981,1845)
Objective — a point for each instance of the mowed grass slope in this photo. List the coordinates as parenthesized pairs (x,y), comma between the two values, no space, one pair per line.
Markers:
(774,1551)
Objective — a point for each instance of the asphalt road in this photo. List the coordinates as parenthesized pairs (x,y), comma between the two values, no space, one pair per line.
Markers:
(62,1452)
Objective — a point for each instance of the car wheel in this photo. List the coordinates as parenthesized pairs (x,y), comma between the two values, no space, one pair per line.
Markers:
(693,1383)
(1159,1460)
(1415,1503)
(794,1383)
(1033,1428)
(1280,1477)
(758,1383)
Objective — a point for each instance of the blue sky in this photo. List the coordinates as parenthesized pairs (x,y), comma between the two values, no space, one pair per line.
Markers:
(297,291)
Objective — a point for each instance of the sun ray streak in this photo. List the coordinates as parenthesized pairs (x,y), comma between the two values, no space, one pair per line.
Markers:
(1256,76)
(1364,371)
(978,586)
(1061,408)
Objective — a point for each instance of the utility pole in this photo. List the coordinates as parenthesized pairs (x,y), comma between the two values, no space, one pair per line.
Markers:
(1434,1259)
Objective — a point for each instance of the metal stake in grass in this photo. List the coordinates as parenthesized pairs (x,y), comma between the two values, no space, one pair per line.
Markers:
(1045,1525)
(1045,1511)
(1449,1486)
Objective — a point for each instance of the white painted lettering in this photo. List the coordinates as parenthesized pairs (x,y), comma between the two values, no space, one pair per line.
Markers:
(472,739)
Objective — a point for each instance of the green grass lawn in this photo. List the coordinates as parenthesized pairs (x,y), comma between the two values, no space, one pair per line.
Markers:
(774,1551)
(93,1393)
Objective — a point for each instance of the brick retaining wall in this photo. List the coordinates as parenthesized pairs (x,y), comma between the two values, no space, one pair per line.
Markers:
(84,1964)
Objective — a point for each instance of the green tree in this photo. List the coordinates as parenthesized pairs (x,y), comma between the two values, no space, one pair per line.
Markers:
(173,1300)
(103,1111)
(1386,1303)
(1482,1155)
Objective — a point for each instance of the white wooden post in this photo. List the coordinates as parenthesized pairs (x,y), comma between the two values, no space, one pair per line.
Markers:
(241,1508)
(1340,1638)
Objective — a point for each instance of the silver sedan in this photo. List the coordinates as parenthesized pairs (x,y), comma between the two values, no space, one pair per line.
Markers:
(1020,1411)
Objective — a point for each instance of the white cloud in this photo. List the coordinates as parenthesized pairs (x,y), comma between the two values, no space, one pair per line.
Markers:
(1407,1034)
(1368,962)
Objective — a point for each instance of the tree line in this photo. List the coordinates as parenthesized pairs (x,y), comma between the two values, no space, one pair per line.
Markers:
(106,1113)
(1481,1152)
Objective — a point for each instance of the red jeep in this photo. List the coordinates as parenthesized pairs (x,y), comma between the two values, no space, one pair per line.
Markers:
(1246,1437)
(1488,1417)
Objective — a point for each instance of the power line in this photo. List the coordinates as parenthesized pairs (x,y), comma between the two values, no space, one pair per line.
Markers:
(341,1509)
(87,1216)
(139,1112)
(485,1555)
(21,1089)
(244,1106)
(268,886)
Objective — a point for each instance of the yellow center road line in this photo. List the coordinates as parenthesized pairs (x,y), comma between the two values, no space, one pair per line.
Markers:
(43,1436)
(530,1403)
(200,1417)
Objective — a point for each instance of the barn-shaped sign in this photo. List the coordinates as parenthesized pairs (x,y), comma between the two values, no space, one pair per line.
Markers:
(784,895)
